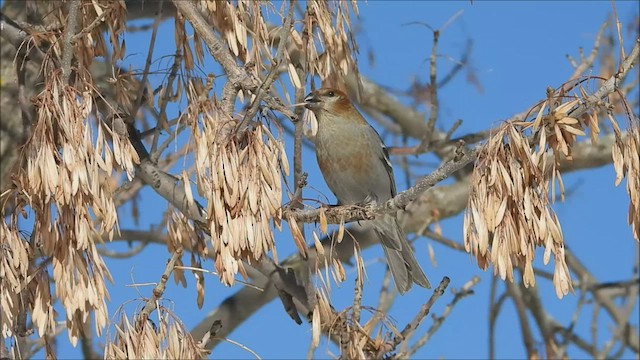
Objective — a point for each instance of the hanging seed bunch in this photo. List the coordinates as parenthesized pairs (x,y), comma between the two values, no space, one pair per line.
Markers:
(61,179)
(16,280)
(370,340)
(508,212)
(509,215)
(164,337)
(626,162)
(181,234)
(332,21)
(239,174)
(558,131)
(326,40)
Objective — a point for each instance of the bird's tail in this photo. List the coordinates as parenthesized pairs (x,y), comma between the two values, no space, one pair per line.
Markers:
(400,258)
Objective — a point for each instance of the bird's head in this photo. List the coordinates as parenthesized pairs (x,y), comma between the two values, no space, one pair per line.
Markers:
(328,101)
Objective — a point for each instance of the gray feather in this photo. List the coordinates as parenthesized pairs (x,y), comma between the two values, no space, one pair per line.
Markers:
(400,257)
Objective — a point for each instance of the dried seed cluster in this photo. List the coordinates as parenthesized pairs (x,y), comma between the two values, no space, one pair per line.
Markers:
(509,214)
(239,174)
(167,339)
(357,341)
(16,280)
(332,21)
(626,162)
(181,234)
(61,179)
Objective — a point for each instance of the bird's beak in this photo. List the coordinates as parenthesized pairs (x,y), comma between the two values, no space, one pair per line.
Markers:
(311,100)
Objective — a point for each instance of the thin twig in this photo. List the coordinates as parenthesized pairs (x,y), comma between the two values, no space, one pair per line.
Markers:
(465,291)
(299,177)
(532,301)
(166,142)
(163,101)
(622,328)
(243,347)
(576,314)
(357,291)
(587,63)
(433,92)
(575,339)
(86,338)
(152,303)
(468,139)
(385,300)
(147,66)
(594,328)
(525,328)
(122,255)
(424,311)
(94,24)
(26,109)
(495,305)
(459,65)
(443,240)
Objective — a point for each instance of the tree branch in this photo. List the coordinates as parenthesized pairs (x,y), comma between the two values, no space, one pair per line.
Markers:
(237,76)
(69,32)
(349,213)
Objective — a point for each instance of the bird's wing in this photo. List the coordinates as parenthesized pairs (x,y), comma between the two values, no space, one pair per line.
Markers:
(386,162)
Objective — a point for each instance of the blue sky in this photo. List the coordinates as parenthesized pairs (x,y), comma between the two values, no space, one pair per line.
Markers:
(519,50)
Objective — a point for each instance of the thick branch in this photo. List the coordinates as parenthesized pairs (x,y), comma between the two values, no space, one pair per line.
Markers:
(69,32)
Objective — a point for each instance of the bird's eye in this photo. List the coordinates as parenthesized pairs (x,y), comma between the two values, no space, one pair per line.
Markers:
(331,93)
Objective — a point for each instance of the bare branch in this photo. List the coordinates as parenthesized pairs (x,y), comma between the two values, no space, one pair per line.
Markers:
(466,290)
(424,311)
(630,337)
(525,328)
(151,303)
(612,84)
(69,32)
(587,63)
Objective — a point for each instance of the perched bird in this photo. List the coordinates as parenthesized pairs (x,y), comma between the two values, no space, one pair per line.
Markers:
(355,164)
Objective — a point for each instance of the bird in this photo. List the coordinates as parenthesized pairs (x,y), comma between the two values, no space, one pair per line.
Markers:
(355,165)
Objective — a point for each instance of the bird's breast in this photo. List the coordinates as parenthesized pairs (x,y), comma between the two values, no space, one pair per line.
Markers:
(350,167)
